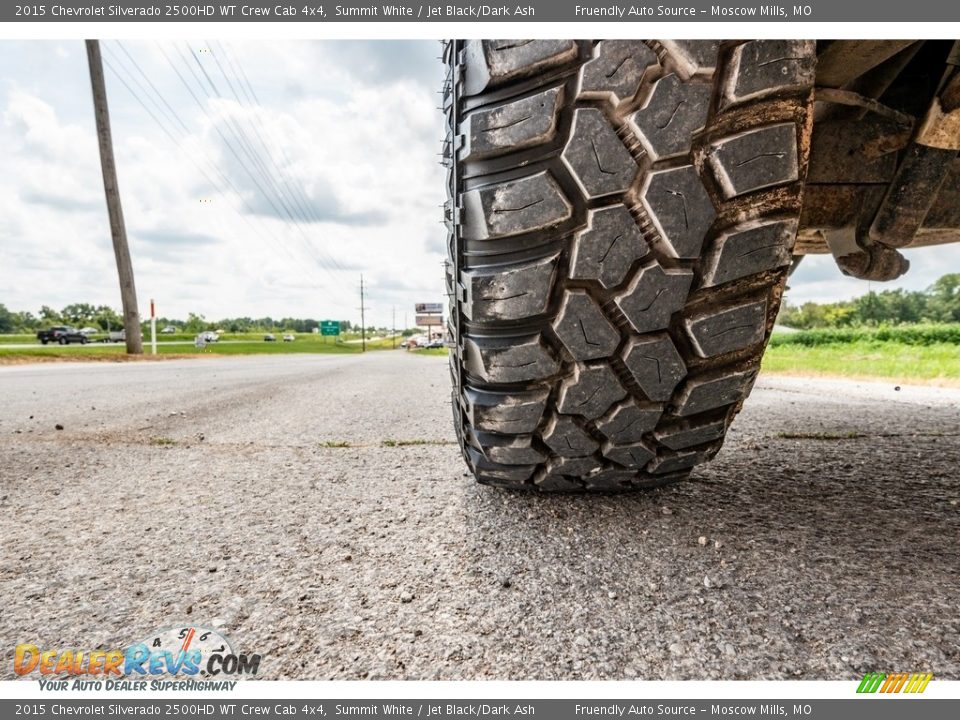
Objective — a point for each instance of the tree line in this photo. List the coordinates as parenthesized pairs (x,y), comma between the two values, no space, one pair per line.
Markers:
(940,303)
(105,319)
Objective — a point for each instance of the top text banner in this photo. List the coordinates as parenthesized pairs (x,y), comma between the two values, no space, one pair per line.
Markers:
(463,10)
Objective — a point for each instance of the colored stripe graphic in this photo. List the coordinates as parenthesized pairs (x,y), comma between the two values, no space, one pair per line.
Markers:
(912,683)
(871,682)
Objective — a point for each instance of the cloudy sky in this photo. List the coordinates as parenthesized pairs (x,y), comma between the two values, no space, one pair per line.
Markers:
(352,131)
(278,172)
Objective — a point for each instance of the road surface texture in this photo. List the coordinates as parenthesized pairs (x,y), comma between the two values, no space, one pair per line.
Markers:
(821,543)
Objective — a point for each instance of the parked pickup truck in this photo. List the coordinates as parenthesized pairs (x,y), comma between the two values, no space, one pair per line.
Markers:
(63,334)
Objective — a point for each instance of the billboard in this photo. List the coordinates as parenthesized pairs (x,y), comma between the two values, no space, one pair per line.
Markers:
(429,308)
(429,320)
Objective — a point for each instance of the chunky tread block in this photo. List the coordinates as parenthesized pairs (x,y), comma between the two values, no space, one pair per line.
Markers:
(495,473)
(510,450)
(597,158)
(556,483)
(682,437)
(621,216)
(608,248)
(663,129)
(767,67)
(748,249)
(653,296)
(756,159)
(505,412)
(627,422)
(655,364)
(575,466)
(583,329)
(509,360)
(508,292)
(680,208)
(567,439)
(672,462)
(633,455)
(490,63)
(511,208)
(715,332)
(591,391)
(692,56)
(616,70)
(514,126)
(700,394)
(610,480)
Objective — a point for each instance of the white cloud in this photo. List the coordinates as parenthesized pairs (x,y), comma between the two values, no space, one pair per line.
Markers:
(359,142)
(819,280)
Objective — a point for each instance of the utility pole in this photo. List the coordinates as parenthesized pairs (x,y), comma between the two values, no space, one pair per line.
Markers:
(118,232)
(393,335)
(363,322)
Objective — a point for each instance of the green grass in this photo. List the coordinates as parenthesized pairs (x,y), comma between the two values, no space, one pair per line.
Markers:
(236,344)
(929,353)
(938,362)
(903,334)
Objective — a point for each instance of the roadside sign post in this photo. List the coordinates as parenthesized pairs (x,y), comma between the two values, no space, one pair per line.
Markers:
(429,315)
(153,328)
(329,328)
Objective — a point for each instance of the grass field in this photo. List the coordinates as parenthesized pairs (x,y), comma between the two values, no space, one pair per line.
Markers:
(25,338)
(928,354)
(236,344)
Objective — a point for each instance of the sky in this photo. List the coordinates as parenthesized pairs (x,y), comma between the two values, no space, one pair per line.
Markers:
(353,133)
(348,134)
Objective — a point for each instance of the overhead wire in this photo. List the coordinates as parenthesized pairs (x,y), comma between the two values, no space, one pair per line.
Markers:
(178,142)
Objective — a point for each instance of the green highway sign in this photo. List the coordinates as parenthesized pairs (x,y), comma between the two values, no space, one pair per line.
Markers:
(329,327)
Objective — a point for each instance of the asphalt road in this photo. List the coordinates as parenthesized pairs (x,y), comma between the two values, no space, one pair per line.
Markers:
(821,543)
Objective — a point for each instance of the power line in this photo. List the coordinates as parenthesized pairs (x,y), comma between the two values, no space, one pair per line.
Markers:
(248,91)
(191,156)
(322,258)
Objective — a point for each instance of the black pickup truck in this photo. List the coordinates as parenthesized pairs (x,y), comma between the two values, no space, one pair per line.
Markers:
(63,334)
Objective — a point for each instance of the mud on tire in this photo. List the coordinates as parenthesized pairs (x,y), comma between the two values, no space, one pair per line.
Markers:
(621,216)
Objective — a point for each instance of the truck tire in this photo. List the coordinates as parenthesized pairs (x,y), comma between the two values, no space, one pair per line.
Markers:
(621,217)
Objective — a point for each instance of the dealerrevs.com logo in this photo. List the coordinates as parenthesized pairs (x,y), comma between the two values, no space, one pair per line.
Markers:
(182,658)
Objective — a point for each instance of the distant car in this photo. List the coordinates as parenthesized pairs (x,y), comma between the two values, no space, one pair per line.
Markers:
(415,341)
(168,330)
(269,337)
(63,334)
(434,344)
(209,336)
(88,331)
(289,338)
